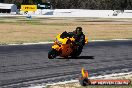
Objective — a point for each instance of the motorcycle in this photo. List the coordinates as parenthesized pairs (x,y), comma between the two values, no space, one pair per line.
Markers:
(64,46)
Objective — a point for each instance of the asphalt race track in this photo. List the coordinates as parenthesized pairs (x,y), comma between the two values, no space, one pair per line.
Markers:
(28,64)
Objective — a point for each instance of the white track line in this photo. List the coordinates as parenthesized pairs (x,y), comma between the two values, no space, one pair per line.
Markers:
(53,42)
(110,76)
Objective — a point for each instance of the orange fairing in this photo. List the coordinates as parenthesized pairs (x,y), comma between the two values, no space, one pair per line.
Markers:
(66,50)
(56,47)
(72,39)
(86,40)
(84,73)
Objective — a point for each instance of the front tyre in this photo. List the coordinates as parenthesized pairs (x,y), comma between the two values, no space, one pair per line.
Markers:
(52,54)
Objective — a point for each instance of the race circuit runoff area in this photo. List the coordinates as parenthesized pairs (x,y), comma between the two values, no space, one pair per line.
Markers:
(26,65)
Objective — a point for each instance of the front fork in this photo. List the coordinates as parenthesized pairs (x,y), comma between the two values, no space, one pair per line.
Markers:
(56,47)
(54,52)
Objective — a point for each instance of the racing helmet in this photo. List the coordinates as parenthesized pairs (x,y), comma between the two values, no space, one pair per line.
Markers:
(78,30)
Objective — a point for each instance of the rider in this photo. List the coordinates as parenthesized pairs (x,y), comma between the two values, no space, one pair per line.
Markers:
(79,39)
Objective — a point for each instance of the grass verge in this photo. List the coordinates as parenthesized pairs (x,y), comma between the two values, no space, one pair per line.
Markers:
(20,30)
(77,85)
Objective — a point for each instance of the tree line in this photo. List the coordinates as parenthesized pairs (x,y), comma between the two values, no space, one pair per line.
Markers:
(79,4)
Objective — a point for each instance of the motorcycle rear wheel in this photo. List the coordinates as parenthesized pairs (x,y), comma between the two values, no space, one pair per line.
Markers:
(76,53)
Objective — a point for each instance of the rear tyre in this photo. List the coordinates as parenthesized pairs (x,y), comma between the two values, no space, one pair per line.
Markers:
(76,52)
(79,51)
(52,54)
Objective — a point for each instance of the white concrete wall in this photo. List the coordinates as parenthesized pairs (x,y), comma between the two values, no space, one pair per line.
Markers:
(81,13)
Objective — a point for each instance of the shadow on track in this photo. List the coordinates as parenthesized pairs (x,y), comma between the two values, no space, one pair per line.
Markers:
(80,57)
(85,57)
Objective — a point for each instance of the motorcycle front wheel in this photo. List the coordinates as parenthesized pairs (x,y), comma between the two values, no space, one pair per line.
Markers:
(52,54)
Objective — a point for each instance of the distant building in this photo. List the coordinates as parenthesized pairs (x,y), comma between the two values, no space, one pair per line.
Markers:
(8,8)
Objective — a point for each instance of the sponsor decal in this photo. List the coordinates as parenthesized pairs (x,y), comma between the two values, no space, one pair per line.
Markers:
(28,7)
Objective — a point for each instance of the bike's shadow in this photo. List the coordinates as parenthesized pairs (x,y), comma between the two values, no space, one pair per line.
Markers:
(80,57)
